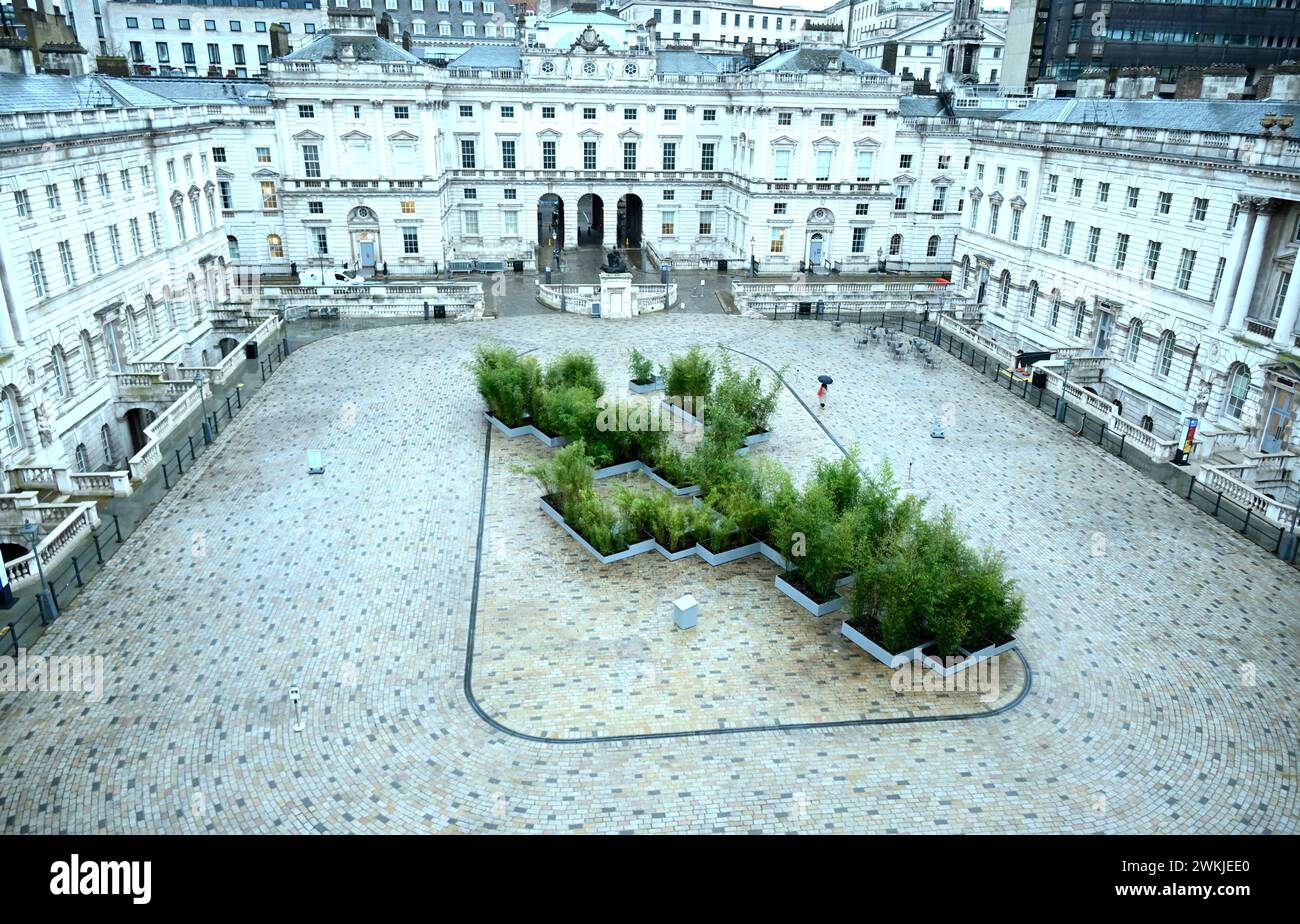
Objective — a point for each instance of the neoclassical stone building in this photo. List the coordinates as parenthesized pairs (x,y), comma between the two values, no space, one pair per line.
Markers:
(587,133)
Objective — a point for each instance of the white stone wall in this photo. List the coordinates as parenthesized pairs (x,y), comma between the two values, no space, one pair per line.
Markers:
(56,333)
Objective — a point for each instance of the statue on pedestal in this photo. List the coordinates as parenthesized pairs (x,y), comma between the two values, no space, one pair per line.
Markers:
(614,262)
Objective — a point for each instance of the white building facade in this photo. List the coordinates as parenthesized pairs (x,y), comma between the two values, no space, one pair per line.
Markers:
(1157,236)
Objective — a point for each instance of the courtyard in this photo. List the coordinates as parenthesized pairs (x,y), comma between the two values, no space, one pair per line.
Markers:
(1159,645)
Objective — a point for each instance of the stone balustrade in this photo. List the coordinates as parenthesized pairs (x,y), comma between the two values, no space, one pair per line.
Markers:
(75,525)
(1217,478)
(579,299)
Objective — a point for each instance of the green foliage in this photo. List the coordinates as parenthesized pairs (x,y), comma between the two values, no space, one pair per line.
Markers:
(566,476)
(592,519)
(808,533)
(841,480)
(568,411)
(744,396)
(623,433)
(690,376)
(575,369)
(670,464)
(506,381)
(641,368)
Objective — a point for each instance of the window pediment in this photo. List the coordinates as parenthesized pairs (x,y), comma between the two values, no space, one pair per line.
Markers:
(783,141)
(869,144)
(308,135)
(904,179)
(403,136)
(355,136)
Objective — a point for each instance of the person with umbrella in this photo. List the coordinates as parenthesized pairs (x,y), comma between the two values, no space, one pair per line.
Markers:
(824,391)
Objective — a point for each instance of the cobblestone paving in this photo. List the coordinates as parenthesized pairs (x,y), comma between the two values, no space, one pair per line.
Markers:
(592,651)
(1163,645)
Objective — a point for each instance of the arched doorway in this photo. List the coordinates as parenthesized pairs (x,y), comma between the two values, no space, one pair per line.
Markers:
(629,220)
(591,220)
(363,227)
(816,249)
(10,551)
(227,344)
(136,420)
(550,222)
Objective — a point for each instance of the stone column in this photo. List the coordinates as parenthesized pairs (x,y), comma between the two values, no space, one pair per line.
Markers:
(1254,260)
(1284,336)
(1236,257)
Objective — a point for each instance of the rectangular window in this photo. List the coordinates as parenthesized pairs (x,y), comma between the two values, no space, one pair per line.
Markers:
(900,198)
(778,208)
(859,240)
(1045,230)
(668,223)
(548,112)
(629,155)
(707,150)
(548,155)
(23,204)
(401,112)
(507,112)
(410,240)
(864,159)
(52,196)
(155,230)
(1279,297)
(1132,198)
(589,113)
(940,197)
(781,164)
(1067,238)
(115,242)
(306,111)
(1121,250)
(467,158)
(824,165)
(92,252)
(137,243)
(670,114)
(1164,202)
(79,189)
(311,160)
(1153,258)
(1015,224)
(630,114)
(315,207)
(710,115)
(227,195)
(670,155)
(1200,207)
(706,224)
(507,154)
(263,155)
(1218,277)
(827,120)
(218,155)
(67,264)
(784,118)
(321,239)
(1103,192)
(669,195)
(37,267)
(1186,264)
(588,155)
(904,161)
(1094,240)
(1022,179)
(1052,181)
(995,210)
(1076,188)
(778,241)
(269,201)
(510,224)
(470,193)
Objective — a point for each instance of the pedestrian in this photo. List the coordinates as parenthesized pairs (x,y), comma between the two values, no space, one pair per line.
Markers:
(822,392)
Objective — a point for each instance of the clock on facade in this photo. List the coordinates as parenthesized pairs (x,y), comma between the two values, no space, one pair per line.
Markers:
(589,68)
(629,69)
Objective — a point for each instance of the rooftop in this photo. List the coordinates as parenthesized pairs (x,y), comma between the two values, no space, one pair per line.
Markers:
(806,60)
(1230,116)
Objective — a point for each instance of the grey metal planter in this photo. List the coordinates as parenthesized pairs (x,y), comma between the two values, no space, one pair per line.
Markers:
(656,385)
(727,557)
(555,442)
(889,659)
(509,432)
(674,556)
(991,651)
(773,556)
(799,597)
(689,490)
(755,438)
(636,548)
(678,412)
(623,468)
(934,663)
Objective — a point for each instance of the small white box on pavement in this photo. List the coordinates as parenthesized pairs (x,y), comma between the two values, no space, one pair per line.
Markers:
(315,462)
(686,612)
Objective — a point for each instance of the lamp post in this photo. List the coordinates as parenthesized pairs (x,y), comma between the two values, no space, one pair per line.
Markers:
(49,609)
(1065,384)
(207,428)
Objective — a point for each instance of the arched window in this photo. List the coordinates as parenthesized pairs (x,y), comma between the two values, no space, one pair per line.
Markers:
(170,308)
(83,458)
(1080,314)
(1134,346)
(132,334)
(1033,297)
(1165,355)
(1238,389)
(1147,423)
(1004,294)
(275,245)
(932,246)
(150,318)
(965,271)
(11,434)
(106,444)
(232,244)
(1055,314)
(895,245)
(61,382)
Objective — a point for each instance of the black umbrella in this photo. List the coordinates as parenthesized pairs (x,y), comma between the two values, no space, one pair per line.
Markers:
(825,379)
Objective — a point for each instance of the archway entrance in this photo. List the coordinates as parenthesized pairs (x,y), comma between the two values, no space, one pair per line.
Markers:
(136,420)
(591,220)
(550,222)
(629,221)
(227,344)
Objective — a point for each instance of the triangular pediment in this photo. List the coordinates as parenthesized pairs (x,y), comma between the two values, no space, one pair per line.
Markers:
(826,142)
(355,135)
(783,139)
(904,178)
(869,143)
(589,133)
(308,135)
(630,134)
(403,136)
